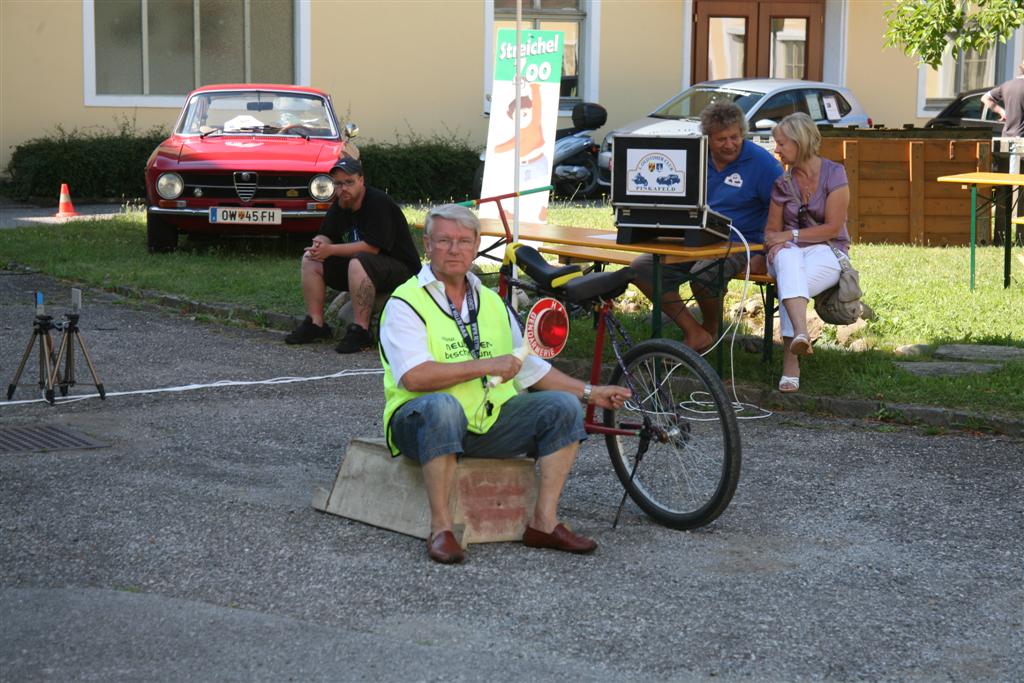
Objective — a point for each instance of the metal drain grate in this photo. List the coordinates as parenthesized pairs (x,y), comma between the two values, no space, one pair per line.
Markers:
(45,438)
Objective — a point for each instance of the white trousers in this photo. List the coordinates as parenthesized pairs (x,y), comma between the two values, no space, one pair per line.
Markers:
(802,272)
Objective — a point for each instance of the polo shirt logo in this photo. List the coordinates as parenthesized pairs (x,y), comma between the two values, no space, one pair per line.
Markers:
(734,180)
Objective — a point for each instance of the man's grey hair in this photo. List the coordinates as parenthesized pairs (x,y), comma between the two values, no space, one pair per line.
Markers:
(453,212)
(720,115)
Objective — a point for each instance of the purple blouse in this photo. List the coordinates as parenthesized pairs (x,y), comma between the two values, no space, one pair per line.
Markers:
(832,176)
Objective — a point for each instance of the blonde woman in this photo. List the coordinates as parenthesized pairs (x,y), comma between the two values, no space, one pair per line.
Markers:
(807,213)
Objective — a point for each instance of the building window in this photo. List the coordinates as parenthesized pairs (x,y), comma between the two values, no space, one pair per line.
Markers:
(153,52)
(971,70)
(568,16)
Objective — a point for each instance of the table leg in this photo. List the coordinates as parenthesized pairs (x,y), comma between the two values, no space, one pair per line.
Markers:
(974,227)
(1008,238)
(656,298)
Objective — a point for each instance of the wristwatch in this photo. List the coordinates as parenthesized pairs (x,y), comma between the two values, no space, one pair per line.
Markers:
(587,390)
(796,234)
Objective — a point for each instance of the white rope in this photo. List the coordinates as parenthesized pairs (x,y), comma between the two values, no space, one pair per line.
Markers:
(211,385)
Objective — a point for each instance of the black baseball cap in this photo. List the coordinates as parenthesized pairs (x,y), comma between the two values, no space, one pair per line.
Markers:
(348,165)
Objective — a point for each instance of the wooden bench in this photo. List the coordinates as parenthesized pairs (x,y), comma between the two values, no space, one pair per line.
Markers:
(491,500)
(602,257)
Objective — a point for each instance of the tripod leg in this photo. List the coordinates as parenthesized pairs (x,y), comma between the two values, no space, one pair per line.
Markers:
(53,379)
(88,361)
(21,367)
(47,365)
(69,363)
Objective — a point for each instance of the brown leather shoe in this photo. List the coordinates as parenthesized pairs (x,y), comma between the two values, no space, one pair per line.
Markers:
(442,547)
(559,539)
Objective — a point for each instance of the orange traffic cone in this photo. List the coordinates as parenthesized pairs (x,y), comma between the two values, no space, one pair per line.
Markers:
(66,209)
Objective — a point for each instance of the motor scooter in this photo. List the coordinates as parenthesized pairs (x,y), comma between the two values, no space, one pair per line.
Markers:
(575,158)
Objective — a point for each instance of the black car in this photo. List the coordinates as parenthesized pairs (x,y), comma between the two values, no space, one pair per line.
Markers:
(967,111)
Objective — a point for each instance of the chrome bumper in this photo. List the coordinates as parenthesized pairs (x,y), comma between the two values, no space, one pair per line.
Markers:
(205,213)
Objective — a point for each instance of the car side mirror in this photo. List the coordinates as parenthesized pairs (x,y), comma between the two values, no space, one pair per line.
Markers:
(764,124)
(351,130)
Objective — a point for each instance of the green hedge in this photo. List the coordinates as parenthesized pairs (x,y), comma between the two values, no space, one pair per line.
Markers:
(110,164)
(96,164)
(420,170)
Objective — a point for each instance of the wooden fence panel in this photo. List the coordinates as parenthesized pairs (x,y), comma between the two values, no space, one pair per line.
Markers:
(894,195)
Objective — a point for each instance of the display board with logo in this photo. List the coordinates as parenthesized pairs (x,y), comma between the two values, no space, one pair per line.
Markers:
(659,189)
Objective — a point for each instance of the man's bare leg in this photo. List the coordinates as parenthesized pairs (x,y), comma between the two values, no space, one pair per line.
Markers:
(554,470)
(314,289)
(437,477)
(695,336)
(363,294)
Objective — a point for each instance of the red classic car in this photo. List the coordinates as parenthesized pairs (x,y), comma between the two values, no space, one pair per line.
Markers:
(244,158)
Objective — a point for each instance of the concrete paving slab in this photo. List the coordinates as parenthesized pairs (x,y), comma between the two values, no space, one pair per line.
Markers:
(947,369)
(979,352)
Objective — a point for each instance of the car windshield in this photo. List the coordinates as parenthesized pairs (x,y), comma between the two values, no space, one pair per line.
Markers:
(690,103)
(258,111)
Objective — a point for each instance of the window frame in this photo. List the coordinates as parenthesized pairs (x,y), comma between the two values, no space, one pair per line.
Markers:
(588,59)
(301,42)
(1007,56)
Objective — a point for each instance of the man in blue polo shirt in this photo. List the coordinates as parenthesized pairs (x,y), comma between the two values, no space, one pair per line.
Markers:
(740,178)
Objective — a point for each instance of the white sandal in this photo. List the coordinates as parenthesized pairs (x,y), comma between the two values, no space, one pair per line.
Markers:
(801,346)
(789,385)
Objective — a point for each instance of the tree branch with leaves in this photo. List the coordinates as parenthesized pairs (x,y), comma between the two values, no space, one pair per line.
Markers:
(926,29)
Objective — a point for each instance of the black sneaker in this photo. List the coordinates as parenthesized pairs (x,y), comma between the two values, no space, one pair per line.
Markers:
(307,332)
(356,339)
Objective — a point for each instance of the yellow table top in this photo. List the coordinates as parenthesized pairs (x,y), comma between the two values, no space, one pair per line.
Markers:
(672,249)
(984,178)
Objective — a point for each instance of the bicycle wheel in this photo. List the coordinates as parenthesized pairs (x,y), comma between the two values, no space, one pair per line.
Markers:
(683,463)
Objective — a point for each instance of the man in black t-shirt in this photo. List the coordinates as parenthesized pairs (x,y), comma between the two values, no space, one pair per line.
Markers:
(1007,101)
(363,247)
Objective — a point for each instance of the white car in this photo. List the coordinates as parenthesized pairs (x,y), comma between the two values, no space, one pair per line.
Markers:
(765,100)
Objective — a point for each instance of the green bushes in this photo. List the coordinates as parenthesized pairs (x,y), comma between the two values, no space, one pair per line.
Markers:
(416,169)
(110,164)
(97,164)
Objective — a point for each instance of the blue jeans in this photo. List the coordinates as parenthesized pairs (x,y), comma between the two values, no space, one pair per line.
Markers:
(534,424)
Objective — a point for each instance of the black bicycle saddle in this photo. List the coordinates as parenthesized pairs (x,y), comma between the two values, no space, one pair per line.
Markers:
(578,288)
(543,273)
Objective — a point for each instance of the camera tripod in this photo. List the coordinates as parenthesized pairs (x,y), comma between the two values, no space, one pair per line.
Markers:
(49,362)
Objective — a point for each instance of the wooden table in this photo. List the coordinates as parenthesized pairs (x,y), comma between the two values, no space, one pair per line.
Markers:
(665,250)
(986,179)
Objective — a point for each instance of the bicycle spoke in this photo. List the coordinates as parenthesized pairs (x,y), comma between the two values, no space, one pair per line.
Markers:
(687,475)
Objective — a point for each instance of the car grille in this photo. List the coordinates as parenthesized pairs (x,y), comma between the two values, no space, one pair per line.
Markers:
(257,187)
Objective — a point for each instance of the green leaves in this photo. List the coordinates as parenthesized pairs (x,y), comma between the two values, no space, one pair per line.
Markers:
(926,29)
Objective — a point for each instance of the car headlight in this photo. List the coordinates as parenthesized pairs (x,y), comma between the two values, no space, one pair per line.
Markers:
(321,188)
(170,186)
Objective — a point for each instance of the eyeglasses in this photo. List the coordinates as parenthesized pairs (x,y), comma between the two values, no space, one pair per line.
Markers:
(446,243)
(801,215)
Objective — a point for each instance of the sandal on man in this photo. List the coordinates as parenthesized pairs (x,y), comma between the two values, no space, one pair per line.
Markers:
(801,346)
(789,385)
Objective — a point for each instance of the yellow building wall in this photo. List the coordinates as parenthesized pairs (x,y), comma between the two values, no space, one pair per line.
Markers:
(400,65)
(641,57)
(41,83)
(882,78)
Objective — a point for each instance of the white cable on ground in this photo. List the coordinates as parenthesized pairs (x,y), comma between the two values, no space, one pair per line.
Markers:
(738,405)
(194,387)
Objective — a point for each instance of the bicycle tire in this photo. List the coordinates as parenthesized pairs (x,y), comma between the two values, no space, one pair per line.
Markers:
(686,478)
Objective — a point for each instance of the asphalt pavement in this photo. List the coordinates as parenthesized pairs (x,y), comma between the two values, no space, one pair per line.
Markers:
(186,547)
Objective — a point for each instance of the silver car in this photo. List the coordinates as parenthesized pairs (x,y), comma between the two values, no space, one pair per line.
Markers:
(765,100)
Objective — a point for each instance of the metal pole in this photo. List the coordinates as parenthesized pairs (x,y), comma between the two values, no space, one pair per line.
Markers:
(519,95)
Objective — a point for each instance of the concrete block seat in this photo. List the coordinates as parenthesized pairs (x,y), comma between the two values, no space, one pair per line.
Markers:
(491,500)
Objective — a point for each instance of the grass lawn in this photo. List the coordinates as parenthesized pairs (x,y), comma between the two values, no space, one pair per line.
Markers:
(920,295)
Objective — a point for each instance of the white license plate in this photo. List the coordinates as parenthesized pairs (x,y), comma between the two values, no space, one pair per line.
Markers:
(234,214)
